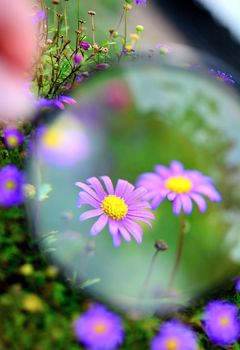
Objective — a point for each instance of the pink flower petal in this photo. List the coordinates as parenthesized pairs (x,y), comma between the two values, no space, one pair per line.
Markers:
(99,225)
(108,184)
(97,186)
(90,214)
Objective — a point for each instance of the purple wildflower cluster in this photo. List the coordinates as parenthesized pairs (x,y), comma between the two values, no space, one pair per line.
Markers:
(11,186)
(99,329)
(143,2)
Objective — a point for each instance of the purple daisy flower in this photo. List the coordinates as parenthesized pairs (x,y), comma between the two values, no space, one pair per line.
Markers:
(221,322)
(174,335)
(11,186)
(12,137)
(119,208)
(179,186)
(99,329)
(227,78)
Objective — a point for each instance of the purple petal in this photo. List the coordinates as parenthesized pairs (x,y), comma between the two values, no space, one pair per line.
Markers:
(141,205)
(67,99)
(177,205)
(113,227)
(136,194)
(116,240)
(85,198)
(141,213)
(99,225)
(123,187)
(124,233)
(162,170)
(200,201)
(90,214)
(58,104)
(108,184)
(176,166)
(157,200)
(97,186)
(208,191)
(135,229)
(140,218)
(171,196)
(88,189)
(186,203)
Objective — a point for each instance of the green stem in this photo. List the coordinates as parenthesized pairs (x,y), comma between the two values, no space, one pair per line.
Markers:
(125,28)
(149,274)
(78,11)
(65,19)
(182,231)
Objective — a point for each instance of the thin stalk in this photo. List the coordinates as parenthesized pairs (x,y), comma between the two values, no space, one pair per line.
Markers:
(125,28)
(78,12)
(182,232)
(93,29)
(159,246)
(65,19)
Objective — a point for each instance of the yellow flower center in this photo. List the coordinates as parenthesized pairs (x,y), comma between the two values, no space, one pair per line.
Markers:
(224,321)
(10,185)
(114,207)
(52,138)
(171,344)
(178,184)
(12,140)
(100,328)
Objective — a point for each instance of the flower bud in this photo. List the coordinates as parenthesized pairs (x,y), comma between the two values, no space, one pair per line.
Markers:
(78,58)
(139,28)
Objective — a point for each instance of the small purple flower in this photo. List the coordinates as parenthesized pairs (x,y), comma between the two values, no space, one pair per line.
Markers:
(78,58)
(102,66)
(227,78)
(11,186)
(12,137)
(99,329)
(56,102)
(179,186)
(174,335)
(221,322)
(143,2)
(85,45)
(119,208)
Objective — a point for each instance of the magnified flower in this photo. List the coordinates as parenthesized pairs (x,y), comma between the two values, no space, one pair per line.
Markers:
(174,335)
(179,186)
(64,143)
(221,322)
(11,186)
(12,137)
(99,329)
(227,78)
(119,208)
